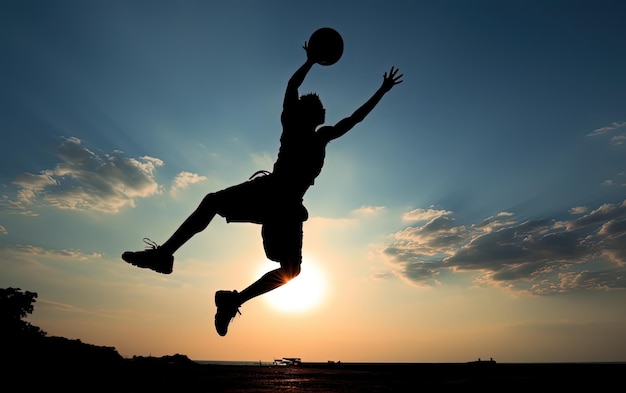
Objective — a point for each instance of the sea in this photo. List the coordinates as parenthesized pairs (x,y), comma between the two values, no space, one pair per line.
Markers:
(235,363)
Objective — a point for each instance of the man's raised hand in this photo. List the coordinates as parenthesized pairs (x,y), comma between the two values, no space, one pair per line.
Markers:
(391,79)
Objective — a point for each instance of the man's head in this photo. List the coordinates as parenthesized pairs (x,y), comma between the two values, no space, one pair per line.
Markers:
(312,109)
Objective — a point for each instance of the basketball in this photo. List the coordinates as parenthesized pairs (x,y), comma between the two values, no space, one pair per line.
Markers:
(325,46)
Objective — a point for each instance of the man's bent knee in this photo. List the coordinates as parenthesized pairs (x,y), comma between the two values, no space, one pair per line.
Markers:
(290,269)
(209,200)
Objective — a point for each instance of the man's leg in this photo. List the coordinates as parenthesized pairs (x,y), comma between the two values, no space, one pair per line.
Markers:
(282,243)
(228,302)
(161,258)
(270,281)
(195,223)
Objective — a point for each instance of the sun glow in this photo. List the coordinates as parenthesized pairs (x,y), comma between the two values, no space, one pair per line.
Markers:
(302,293)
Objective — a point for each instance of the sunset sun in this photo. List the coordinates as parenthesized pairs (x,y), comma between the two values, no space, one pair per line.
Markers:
(302,293)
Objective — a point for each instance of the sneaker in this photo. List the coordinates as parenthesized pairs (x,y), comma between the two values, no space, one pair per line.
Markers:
(152,258)
(227,307)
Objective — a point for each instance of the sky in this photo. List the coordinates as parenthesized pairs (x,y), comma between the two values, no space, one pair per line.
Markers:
(479,211)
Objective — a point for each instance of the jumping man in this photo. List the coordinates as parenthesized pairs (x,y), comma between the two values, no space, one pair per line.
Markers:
(273,200)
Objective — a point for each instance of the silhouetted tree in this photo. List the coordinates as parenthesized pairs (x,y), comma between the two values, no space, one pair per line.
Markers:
(26,351)
(15,305)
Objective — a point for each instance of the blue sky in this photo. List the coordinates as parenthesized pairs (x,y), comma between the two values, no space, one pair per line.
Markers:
(478,211)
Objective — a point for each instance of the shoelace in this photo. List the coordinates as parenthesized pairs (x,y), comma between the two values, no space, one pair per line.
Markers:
(259,173)
(150,245)
(232,317)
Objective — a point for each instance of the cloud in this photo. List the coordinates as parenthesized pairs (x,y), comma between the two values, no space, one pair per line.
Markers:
(499,220)
(30,251)
(618,140)
(424,215)
(21,259)
(603,130)
(541,256)
(381,276)
(578,210)
(61,307)
(603,214)
(615,140)
(184,179)
(87,180)
(3,230)
(368,210)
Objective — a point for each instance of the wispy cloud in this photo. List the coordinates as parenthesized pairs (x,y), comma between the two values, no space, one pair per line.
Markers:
(368,210)
(618,140)
(30,251)
(542,256)
(3,230)
(424,214)
(64,308)
(90,180)
(612,127)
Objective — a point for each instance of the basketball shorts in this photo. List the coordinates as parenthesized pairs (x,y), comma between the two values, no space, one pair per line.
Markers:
(266,201)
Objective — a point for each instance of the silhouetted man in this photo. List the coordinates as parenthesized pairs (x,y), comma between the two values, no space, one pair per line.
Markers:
(274,199)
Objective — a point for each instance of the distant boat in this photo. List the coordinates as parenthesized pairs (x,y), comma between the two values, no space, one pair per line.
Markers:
(287,362)
(481,361)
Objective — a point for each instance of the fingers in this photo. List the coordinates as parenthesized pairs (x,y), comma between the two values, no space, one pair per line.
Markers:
(392,72)
(393,76)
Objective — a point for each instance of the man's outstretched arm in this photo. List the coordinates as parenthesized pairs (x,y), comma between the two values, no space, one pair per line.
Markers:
(389,80)
(291,94)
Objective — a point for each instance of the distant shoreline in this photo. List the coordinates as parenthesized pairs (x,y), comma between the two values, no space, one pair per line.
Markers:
(373,363)
(45,364)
